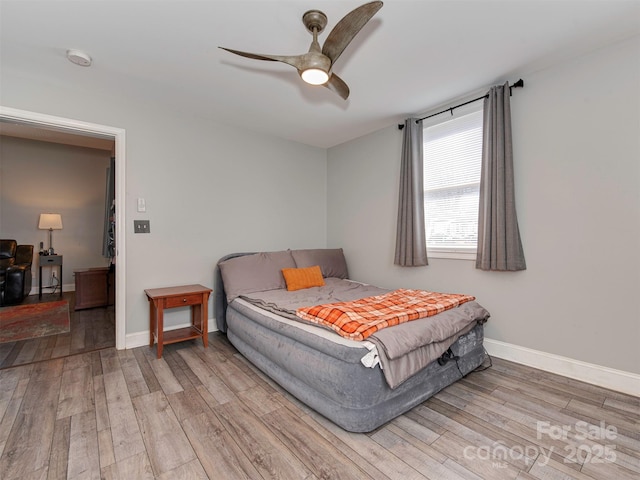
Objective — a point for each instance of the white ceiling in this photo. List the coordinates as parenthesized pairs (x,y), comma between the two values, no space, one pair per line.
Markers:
(413,55)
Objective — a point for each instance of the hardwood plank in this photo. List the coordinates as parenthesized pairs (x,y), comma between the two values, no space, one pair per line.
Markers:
(163,373)
(63,346)
(5,349)
(10,415)
(259,401)
(622,407)
(192,471)
(316,452)
(9,382)
(110,361)
(170,357)
(608,470)
(77,360)
(96,363)
(127,439)
(84,459)
(28,445)
(471,432)
(367,454)
(219,454)
(110,472)
(216,387)
(626,422)
(78,332)
(132,371)
(473,459)
(544,379)
(76,392)
(135,466)
(58,459)
(555,397)
(416,458)
(167,445)
(45,347)
(105,448)
(235,378)
(188,403)
(27,352)
(520,423)
(545,469)
(266,452)
(173,352)
(145,369)
(417,435)
(12,354)
(100,399)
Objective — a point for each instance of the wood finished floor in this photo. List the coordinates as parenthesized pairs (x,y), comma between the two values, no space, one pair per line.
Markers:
(90,330)
(200,413)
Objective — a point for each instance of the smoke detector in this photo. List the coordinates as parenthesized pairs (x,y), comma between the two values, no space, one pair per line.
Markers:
(79,58)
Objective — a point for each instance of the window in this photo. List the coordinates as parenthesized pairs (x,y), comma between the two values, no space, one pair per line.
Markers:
(452,163)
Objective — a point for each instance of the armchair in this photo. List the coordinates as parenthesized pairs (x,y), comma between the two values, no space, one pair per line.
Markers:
(15,271)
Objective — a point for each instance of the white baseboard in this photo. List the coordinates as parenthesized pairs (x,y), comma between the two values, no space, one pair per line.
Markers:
(140,339)
(619,380)
(65,288)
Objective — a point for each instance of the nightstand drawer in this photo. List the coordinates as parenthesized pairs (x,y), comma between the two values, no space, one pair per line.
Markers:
(183,300)
(46,260)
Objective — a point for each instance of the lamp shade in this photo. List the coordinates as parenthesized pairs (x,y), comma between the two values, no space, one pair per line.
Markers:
(50,221)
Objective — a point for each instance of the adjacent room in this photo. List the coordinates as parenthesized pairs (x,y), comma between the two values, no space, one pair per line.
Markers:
(278,239)
(70,269)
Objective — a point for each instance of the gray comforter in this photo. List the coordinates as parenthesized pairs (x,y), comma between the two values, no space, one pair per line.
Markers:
(403,349)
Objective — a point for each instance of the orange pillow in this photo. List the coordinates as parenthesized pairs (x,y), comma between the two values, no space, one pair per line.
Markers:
(299,278)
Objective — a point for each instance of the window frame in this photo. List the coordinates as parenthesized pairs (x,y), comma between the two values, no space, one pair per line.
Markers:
(455,253)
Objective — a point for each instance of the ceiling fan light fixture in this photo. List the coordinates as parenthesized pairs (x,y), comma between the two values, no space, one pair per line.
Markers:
(315,76)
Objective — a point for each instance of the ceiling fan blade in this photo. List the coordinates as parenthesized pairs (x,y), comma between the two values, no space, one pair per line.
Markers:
(347,28)
(337,85)
(293,60)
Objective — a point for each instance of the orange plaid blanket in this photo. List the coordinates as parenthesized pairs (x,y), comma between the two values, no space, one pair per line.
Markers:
(358,319)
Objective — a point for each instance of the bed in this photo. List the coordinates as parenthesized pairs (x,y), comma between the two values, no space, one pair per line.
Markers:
(359,384)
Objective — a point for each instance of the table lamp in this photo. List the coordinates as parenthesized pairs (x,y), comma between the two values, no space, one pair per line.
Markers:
(51,222)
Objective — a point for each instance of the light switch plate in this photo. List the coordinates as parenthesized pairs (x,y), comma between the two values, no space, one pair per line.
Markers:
(141,226)
(142,205)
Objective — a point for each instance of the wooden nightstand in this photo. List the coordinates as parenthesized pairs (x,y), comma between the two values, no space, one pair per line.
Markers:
(49,261)
(195,296)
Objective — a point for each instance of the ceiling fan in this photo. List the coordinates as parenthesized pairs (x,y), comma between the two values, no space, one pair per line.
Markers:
(315,66)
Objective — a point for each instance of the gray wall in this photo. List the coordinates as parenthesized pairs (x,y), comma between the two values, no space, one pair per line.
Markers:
(209,189)
(576,133)
(40,177)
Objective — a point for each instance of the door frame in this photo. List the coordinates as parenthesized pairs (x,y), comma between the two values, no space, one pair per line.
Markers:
(103,131)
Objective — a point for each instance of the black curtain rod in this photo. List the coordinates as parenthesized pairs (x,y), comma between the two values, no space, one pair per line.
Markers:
(519,83)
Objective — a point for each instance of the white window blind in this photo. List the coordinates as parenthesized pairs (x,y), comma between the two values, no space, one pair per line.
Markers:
(452,163)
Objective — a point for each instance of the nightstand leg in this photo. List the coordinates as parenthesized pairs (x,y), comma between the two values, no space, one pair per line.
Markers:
(204,315)
(160,321)
(152,322)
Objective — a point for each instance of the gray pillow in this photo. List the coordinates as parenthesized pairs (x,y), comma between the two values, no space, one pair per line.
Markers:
(255,273)
(331,261)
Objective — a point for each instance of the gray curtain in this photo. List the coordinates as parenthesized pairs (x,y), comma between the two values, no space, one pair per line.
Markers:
(411,245)
(108,241)
(499,244)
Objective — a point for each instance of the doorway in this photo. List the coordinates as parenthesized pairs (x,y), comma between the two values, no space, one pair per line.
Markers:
(100,131)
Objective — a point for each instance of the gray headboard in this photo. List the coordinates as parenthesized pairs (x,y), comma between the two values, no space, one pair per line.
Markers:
(219,295)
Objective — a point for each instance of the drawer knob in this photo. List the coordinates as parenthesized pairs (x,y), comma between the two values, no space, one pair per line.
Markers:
(184,300)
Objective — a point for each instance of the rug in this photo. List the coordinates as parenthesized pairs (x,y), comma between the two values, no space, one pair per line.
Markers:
(34,320)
